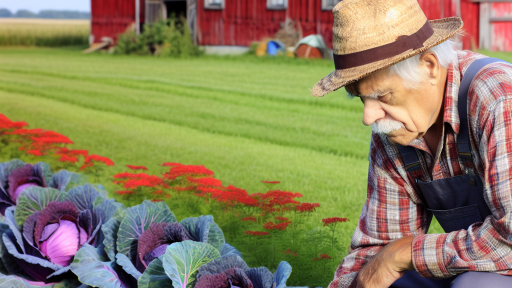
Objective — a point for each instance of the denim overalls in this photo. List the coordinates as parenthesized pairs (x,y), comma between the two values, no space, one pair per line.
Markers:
(456,202)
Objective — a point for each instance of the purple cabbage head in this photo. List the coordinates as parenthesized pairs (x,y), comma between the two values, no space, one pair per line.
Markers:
(58,233)
(139,239)
(229,278)
(154,241)
(17,176)
(48,227)
(232,271)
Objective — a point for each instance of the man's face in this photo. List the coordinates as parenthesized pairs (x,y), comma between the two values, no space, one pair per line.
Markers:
(392,109)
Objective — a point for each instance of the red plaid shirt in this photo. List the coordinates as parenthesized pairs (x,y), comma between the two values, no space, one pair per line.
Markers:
(394,207)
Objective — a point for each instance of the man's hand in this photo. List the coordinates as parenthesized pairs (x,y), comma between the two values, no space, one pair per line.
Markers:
(388,265)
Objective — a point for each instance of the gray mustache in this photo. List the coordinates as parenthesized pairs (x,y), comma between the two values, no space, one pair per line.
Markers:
(385,126)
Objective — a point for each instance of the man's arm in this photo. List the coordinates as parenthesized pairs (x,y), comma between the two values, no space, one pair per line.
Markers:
(391,212)
(388,265)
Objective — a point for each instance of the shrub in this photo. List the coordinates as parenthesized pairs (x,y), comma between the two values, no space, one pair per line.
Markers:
(171,38)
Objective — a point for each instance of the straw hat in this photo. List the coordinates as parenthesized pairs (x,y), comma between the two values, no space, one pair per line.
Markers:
(369,35)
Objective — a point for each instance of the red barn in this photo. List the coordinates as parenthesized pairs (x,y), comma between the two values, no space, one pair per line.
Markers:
(240,22)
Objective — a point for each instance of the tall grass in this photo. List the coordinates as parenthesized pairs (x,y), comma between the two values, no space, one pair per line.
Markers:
(43,32)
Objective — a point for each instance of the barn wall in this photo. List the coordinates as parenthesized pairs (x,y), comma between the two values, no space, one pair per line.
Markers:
(501,38)
(244,21)
(470,15)
(111,18)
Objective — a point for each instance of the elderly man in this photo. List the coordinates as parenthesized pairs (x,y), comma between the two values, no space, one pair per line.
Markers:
(441,145)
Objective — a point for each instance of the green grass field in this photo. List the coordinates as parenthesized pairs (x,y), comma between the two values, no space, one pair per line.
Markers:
(248,119)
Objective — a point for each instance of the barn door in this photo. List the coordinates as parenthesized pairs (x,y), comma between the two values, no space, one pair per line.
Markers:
(178,8)
(192,19)
(155,10)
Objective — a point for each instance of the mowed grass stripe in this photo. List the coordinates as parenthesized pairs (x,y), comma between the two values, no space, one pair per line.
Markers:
(293,125)
(202,91)
(277,80)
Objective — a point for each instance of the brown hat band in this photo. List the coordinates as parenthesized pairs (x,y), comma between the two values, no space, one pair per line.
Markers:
(402,44)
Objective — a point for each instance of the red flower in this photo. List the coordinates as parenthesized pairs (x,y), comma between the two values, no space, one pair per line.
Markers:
(329,221)
(136,167)
(97,158)
(271,182)
(126,175)
(306,207)
(279,226)
(185,170)
(250,218)
(231,196)
(156,200)
(85,166)
(322,256)
(207,181)
(256,233)
(51,137)
(27,132)
(134,181)
(277,200)
(35,152)
(66,151)
(70,159)
(180,189)
(158,192)
(6,123)
(290,252)
(325,256)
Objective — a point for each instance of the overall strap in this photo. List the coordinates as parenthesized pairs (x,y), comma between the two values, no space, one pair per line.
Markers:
(463,142)
(408,153)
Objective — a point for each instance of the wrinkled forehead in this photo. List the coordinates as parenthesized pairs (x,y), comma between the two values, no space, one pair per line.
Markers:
(372,85)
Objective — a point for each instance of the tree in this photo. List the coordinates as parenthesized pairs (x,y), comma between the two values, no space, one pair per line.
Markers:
(5,12)
(25,14)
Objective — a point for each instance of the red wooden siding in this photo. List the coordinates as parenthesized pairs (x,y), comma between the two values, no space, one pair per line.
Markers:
(244,21)
(501,39)
(110,18)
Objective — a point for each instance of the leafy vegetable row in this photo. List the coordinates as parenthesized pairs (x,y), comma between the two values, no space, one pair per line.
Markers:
(56,236)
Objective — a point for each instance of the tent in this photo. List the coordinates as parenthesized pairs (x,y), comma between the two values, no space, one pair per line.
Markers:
(312,46)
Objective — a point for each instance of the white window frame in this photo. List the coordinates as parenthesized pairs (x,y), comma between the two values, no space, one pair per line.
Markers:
(272,6)
(208,4)
(329,6)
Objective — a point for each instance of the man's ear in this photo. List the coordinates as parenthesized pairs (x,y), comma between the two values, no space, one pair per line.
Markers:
(430,64)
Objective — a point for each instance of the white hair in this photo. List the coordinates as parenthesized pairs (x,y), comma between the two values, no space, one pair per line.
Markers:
(410,72)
